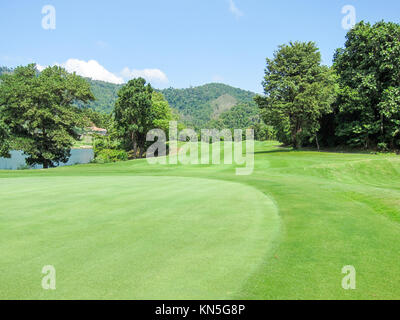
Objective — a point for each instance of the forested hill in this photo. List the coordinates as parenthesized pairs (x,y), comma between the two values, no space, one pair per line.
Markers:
(105,94)
(196,105)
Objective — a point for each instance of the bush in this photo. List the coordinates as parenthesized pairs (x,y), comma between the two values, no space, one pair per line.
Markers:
(111,155)
(108,149)
(383,147)
(263,132)
(24,167)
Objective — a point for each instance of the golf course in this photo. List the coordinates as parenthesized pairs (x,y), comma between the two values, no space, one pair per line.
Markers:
(131,230)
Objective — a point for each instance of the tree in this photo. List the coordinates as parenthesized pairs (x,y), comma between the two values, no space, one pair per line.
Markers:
(241,116)
(99,119)
(133,114)
(4,140)
(161,112)
(298,91)
(263,132)
(368,66)
(39,109)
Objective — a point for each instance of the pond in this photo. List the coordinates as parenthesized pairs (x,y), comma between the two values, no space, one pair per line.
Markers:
(17,160)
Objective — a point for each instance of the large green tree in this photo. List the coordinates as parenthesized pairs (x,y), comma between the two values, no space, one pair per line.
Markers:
(298,92)
(161,112)
(133,115)
(4,140)
(368,112)
(38,108)
(138,110)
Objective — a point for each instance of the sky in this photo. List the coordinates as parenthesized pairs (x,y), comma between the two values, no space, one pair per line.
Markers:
(176,43)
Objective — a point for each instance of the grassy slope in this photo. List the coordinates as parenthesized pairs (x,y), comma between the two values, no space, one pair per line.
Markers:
(335,210)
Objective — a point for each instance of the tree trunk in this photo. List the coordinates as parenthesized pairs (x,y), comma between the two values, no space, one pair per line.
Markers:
(142,152)
(135,149)
(134,145)
(295,141)
(316,140)
(45,162)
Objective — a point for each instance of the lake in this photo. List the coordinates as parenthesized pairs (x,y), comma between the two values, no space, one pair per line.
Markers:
(17,160)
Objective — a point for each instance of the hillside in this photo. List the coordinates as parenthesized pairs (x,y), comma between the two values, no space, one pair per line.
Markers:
(105,94)
(197,106)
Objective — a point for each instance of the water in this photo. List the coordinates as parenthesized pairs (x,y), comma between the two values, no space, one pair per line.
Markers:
(17,160)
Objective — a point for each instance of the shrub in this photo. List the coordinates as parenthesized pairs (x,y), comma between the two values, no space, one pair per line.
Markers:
(111,155)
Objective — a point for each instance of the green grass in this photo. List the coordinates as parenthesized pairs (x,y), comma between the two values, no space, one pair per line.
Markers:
(131,230)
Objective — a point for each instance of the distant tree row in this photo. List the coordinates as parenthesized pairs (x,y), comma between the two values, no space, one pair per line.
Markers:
(356,102)
(244,116)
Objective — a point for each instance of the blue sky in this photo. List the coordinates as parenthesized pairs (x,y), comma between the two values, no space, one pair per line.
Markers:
(178,43)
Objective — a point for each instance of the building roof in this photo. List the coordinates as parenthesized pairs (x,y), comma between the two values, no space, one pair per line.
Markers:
(95,129)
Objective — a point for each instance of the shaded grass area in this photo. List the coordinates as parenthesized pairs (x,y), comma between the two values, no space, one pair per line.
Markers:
(334,210)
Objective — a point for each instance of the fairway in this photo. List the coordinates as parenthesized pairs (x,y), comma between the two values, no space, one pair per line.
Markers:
(131,230)
(132,237)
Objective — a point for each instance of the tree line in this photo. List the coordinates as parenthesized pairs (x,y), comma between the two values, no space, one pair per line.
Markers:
(43,114)
(356,102)
(40,115)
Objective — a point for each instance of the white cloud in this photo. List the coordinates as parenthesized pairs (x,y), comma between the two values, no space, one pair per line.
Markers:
(91,69)
(150,75)
(234,10)
(39,67)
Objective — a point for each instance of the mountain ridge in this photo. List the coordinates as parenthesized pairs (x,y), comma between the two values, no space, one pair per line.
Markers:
(196,106)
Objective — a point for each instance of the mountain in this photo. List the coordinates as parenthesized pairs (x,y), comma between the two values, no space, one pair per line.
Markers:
(105,93)
(197,106)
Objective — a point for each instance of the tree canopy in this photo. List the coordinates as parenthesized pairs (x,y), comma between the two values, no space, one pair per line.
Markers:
(138,110)
(368,112)
(133,114)
(4,140)
(298,91)
(39,108)
(162,112)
